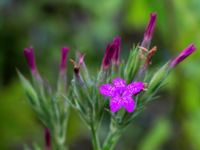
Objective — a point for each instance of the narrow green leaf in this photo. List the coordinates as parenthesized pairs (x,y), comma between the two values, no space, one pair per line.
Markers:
(30,91)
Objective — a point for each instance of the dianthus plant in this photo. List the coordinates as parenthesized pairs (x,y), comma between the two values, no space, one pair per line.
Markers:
(122,88)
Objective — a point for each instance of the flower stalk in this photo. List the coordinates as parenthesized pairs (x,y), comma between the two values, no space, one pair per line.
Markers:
(112,137)
(95,137)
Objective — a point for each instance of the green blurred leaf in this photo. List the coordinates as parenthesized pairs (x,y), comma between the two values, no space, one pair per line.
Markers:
(17,124)
(157,136)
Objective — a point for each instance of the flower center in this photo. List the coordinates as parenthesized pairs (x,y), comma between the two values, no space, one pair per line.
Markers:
(121,92)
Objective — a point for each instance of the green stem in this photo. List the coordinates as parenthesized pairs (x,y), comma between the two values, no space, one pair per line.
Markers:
(58,137)
(95,138)
(111,140)
(112,137)
(59,144)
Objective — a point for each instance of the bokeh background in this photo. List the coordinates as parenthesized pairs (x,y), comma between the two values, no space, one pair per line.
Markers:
(172,122)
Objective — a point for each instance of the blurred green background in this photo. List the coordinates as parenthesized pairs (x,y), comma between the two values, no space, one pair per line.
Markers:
(172,122)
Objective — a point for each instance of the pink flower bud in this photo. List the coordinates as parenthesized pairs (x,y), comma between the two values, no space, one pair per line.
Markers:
(116,55)
(185,53)
(64,53)
(112,53)
(30,58)
(149,31)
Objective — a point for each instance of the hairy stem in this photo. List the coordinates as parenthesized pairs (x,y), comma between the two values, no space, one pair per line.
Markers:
(59,144)
(95,138)
(111,140)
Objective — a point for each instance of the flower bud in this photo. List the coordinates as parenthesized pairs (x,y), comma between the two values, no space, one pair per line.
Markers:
(116,55)
(149,31)
(112,53)
(64,53)
(185,53)
(30,58)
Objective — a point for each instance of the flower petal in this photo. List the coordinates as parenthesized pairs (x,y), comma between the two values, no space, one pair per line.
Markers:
(128,103)
(119,82)
(135,87)
(115,104)
(107,89)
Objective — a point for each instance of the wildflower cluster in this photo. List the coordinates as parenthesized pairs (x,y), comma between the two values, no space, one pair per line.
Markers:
(121,88)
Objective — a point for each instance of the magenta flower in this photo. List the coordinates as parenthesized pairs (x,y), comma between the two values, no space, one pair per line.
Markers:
(64,53)
(120,94)
(185,53)
(112,53)
(149,31)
